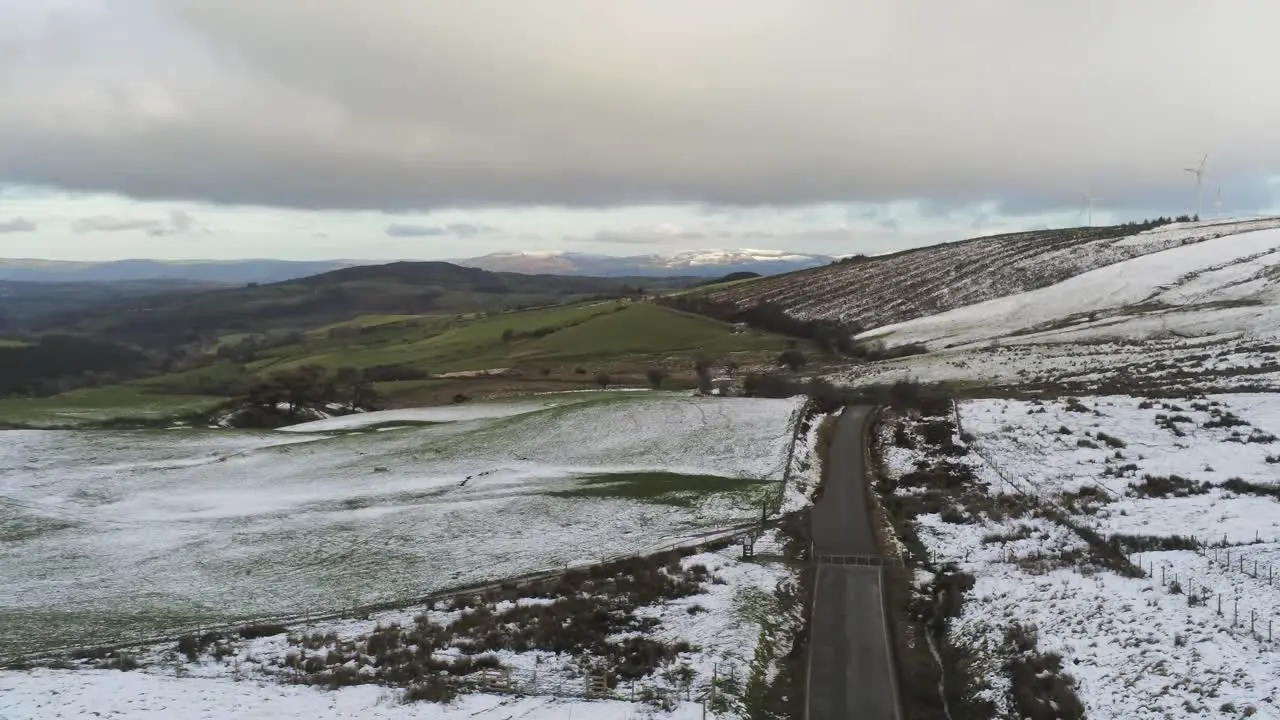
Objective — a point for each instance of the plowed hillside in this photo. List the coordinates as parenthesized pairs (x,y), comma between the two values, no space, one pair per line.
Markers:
(889,289)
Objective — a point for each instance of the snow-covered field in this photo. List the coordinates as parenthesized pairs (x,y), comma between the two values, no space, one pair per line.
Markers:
(48,694)
(250,681)
(1150,646)
(115,535)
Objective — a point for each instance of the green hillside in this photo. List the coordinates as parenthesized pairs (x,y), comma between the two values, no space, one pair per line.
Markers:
(591,331)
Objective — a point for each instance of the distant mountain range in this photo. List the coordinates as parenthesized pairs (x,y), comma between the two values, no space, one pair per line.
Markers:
(238,272)
(700,263)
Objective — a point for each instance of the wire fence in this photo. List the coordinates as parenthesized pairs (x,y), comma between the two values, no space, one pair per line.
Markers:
(1255,618)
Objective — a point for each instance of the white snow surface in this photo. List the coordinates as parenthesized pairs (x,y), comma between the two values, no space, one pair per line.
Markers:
(1033,455)
(62,694)
(437,414)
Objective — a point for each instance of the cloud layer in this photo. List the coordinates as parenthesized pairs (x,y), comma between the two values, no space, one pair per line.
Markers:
(412,104)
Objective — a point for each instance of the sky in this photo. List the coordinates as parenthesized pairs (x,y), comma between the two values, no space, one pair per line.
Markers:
(321,129)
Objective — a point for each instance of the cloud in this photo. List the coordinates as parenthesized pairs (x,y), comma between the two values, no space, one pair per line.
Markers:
(643,235)
(112,223)
(17,225)
(413,107)
(178,222)
(462,230)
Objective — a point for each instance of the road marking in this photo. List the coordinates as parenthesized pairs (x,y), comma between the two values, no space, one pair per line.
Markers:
(884,626)
(808,671)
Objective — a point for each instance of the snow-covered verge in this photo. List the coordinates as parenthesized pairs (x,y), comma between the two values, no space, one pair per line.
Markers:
(805,469)
(1072,521)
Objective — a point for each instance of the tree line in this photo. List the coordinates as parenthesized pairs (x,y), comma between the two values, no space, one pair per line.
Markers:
(58,363)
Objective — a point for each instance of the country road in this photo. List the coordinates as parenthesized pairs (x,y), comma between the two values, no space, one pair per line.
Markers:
(851,674)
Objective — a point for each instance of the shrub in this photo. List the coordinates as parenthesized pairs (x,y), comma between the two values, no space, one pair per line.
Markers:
(656,376)
(769,385)
(793,359)
(902,438)
(1110,440)
(1175,485)
(433,689)
(603,380)
(250,632)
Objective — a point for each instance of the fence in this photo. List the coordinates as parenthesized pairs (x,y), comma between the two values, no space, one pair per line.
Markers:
(1262,624)
(1179,583)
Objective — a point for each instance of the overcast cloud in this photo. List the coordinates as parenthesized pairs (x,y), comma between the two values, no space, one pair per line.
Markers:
(417,105)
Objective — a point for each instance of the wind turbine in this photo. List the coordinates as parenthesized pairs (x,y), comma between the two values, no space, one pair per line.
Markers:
(1089,202)
(1217,203)
(1199,173)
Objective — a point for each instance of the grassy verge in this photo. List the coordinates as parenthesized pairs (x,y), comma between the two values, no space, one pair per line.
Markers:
(935,674)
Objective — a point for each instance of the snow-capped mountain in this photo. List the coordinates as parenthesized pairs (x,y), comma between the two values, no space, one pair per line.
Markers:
(701,263)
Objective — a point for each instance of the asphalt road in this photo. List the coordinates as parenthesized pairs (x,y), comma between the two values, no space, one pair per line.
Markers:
(851,675)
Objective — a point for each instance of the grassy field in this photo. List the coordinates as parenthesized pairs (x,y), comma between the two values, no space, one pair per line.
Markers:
(554,348)
(91,405)
(10,343)
(577,333)
(548,345)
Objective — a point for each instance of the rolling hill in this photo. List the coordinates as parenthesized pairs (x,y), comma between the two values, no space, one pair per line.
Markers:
(868,293)
(417,288)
